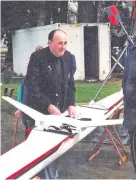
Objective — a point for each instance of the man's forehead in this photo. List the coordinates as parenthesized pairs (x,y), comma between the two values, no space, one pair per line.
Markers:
(59,34)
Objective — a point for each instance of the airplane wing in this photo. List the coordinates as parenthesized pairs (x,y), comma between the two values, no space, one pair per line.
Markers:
(39,152)
(44,121)
(86,116)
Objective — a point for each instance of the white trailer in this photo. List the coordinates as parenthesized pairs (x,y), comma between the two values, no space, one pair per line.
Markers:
(90,43)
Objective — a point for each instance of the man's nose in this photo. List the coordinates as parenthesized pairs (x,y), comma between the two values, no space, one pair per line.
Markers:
(63,45)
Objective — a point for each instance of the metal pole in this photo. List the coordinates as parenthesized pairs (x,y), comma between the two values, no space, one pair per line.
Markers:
(118,62)
(110,72)
(126,33)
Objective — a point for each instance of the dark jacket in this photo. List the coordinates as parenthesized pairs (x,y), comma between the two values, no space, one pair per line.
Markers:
(42,81)
(74,65)
(129,89)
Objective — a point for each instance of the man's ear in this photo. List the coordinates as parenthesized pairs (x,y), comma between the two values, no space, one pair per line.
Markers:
(49,43)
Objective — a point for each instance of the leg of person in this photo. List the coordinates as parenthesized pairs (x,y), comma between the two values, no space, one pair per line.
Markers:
(133,146)
(50,172)
(30,123)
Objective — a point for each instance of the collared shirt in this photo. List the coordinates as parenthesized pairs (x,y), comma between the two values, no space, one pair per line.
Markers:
(60,74)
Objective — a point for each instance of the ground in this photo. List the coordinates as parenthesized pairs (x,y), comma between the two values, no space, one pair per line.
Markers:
(74,164)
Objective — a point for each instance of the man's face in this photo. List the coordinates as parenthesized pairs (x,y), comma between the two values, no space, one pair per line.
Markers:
(58,44)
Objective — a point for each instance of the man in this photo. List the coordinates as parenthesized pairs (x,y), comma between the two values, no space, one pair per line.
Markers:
(50,82)
(129,90)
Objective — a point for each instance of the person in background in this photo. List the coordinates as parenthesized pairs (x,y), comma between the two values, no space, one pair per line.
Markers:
(129,90)
(38,48)
(22,97)
(50,84)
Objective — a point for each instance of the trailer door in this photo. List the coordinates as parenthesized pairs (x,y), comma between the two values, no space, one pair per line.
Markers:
(91,52)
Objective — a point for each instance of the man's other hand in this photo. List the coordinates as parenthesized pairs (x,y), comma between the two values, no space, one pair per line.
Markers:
(72,111)
(53,110)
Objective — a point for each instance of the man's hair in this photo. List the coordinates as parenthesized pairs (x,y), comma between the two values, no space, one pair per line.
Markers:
(51,34)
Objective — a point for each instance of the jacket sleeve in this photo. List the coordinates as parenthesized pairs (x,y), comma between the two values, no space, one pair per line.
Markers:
(125,74)
(33,81)
(74,67)
(71,86)
(129,82)
(19,94)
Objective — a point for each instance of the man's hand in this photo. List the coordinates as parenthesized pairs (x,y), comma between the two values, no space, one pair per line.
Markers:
(72,111)
(17,113)
(53,110)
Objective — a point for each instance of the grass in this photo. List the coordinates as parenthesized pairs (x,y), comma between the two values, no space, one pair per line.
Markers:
(10,86)
(85,92)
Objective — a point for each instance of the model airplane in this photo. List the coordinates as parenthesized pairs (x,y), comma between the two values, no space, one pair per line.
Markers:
(54,135)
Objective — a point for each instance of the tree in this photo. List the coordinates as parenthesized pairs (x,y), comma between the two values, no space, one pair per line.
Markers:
(17,15)
(58,11)
(25,14)
(87,11)
(63,11)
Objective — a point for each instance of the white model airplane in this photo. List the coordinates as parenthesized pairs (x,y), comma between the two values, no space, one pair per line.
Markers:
(54,135)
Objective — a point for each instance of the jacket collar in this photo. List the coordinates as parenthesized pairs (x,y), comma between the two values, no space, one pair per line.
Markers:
(52,56)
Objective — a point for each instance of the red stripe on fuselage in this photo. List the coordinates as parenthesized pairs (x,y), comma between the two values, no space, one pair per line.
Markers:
(110,108)
(36,161)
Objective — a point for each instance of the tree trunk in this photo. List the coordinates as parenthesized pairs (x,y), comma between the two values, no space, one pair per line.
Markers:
(59,11)
(87,11)
(63,11)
